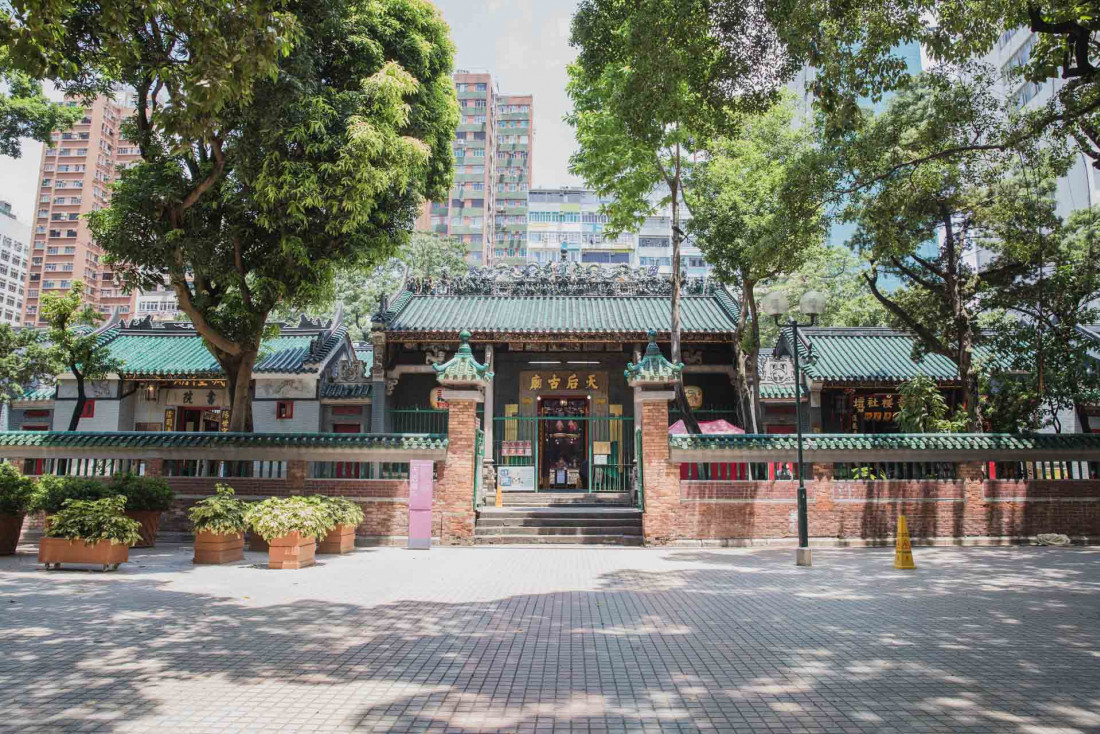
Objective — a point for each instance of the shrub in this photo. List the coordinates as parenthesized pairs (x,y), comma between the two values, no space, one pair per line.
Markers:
(95,520)
(53,491)
(16,491)
(278,516)
(222,513)
(342,511)
(143,493)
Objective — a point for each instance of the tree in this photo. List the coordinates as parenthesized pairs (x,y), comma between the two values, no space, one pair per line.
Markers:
(1044,365)
(853,45)
(927,224)
(757,203)
(71,330)
(653,80)
(24,359)
(838,273)
(426,255)
(323,167)
(25,111)
(923,409)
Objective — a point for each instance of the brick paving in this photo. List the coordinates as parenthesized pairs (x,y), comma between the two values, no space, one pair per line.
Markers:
(558,639)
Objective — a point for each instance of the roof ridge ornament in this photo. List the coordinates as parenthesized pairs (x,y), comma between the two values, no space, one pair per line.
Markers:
(463,370)
(652,370)
(558,279)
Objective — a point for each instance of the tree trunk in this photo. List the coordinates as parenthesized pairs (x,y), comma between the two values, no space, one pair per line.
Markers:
(690,421)
(754,355)
(81,400)
(971,386)
(238,374)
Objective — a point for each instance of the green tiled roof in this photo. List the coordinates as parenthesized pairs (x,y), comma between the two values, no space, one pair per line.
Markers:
(182,353)
(41,394)
(357,391)
(868,355)
(240,445)
(716,314)
(882,446)
(771,391)
(652,368)
(463,369)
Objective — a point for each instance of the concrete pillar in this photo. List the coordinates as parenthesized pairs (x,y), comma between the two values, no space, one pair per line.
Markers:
(454,497)
(975,521)
(296,470)
(660,479)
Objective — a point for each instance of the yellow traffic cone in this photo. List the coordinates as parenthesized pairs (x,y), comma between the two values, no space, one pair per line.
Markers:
(903,554)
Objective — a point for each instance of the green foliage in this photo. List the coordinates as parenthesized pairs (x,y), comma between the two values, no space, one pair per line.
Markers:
(25,111)
(855,47)
(143,493)
(221,513)
(24,360)
(95,520)
(838,273)
(920,223)
(923,409)
(321,168)
(279,516)
(16,491)
(74,343)
(425,255)
(341,511)
(52,491)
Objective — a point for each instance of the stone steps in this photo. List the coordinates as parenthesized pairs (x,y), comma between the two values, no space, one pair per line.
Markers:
(561,499)
(559,524)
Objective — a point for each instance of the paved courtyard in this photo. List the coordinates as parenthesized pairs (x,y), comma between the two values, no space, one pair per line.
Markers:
(558,639)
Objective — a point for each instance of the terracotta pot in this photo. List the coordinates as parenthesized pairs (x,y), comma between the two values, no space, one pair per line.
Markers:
(218,547)
(341,539)
(10,527)
(256,544)
(150,523)
(291,551)
(104,553)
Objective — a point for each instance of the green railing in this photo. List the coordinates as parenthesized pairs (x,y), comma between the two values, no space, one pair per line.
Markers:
(417,420)
(582,453)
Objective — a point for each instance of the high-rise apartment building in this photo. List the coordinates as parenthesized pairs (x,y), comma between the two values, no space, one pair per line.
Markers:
(485,171)
(15,248)
(515,135)
(77,167)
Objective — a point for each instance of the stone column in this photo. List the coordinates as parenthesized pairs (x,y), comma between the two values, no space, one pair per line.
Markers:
(296,470)
(454,500)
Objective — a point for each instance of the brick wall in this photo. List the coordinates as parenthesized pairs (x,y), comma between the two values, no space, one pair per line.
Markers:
(853,511)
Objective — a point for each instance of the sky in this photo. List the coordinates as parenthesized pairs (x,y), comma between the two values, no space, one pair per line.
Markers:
(523,43)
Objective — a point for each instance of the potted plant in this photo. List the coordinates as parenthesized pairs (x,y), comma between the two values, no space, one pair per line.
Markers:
(291,526)
(219,527)
(346,516)
(146,500)
(90,531)
(16,497)
(53,491)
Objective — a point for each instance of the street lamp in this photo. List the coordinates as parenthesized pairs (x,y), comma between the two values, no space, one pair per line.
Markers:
(812,304)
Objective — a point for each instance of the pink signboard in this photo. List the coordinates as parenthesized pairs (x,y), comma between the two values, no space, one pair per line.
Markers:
(420,505)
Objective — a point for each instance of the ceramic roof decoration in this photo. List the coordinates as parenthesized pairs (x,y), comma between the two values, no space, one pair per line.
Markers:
(652,369)
(577,301)
(463,370)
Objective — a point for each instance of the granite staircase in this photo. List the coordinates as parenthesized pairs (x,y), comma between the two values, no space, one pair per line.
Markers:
(560,518)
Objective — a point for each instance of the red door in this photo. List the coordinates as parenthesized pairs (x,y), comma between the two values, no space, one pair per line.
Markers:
(346,469)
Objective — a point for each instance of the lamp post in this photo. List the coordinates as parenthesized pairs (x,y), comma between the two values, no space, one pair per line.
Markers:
(811,304)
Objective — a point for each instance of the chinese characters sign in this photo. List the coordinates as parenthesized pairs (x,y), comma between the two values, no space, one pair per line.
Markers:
(554,381)
(877,408)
